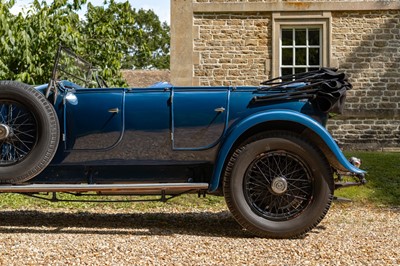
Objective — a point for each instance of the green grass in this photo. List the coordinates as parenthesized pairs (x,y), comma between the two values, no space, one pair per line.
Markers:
(382,189)
(187,202)
(383,176)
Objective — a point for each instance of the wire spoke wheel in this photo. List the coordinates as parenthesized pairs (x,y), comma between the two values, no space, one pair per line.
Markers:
(29,132)
(18,132)
(278,186)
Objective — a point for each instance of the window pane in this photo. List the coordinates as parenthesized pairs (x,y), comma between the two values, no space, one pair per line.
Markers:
(314,58)
(287,37)
(301,49)
(301,56)
(313,36)
(287,56)
(300,36)
(313,68)
(286,71)
(299,70)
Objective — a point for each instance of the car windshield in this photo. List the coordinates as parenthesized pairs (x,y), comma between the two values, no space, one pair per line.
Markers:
(71,67)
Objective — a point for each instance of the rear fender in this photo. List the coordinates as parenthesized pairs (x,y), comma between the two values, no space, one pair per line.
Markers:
(330,148)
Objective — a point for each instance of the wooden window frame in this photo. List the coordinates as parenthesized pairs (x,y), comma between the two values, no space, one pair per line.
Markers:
(320,20)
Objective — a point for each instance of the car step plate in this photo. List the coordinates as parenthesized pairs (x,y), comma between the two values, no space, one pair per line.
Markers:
(36,188)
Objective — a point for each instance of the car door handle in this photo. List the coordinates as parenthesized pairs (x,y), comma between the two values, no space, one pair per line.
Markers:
(113,110)
(219,109)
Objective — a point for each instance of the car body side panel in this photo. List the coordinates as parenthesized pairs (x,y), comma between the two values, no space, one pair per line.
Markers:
(147,135)
(198,117)
(94,119)
(173,126)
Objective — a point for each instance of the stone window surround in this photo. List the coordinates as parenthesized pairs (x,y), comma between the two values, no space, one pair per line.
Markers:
(293,19)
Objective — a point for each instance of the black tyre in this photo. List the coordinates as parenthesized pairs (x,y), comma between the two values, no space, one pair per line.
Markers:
(278,185)
(29,132)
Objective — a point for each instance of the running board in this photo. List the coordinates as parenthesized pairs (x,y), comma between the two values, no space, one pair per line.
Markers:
(111,188)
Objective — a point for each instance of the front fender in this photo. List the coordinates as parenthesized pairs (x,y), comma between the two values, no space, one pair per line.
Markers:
(276,115)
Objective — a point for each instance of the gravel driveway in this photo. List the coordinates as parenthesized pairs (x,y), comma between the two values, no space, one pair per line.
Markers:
(349,235)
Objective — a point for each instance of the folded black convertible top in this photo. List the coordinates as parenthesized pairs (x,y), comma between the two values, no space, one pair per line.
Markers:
(325,88)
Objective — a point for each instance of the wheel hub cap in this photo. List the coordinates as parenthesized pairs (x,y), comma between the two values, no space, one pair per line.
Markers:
(4,131)
(279,185)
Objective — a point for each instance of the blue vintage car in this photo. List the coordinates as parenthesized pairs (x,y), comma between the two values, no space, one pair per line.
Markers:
(265,148)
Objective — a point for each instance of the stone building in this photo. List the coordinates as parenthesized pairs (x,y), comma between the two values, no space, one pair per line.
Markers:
(243,42)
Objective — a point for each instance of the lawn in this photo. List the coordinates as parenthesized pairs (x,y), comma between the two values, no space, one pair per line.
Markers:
(382,189)
(383,175)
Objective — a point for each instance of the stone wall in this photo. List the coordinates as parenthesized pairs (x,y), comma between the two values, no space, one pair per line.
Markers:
(234,49)
(280,1)
(366,46)
(144,78)
(233,46)
(366,134)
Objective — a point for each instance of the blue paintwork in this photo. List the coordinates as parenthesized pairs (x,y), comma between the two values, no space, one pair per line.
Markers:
(166,125)
(84,119)
(41,88)
(203,124)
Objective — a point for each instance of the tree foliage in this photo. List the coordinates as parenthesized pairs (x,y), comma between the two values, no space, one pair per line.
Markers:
(29,43)
(151,43)
(111,36)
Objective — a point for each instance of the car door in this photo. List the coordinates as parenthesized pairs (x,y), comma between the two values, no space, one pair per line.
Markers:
(94,118)
(199,117)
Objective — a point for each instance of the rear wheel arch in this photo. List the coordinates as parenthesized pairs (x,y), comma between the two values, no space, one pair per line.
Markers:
(289,126)
(275,125)
(286,120)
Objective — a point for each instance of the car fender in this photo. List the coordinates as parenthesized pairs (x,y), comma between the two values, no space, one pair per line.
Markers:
(275,115)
